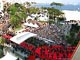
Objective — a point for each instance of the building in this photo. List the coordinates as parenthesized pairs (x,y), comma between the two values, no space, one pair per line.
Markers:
(72,17)
(40,16)
(43,16)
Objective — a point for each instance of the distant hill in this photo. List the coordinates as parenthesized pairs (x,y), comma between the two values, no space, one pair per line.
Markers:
(65,7)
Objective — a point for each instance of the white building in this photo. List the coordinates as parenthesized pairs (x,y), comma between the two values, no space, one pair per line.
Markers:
(30,17)
(42,16)
(72,17)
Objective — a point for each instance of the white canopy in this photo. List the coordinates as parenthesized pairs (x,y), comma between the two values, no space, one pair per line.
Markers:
(72,15)
(19,38)
(31,25)
(9,56)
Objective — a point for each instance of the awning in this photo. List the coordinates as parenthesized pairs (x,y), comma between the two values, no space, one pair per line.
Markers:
(19,38)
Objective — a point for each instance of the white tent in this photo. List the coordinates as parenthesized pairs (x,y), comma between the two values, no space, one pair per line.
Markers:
(8,56)
(19,38)
(31,25)
(72,15)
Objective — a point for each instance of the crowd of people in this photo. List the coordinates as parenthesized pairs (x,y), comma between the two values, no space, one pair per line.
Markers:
(51,32)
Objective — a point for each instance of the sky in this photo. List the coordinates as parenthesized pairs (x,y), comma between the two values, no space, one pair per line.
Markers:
(74,2)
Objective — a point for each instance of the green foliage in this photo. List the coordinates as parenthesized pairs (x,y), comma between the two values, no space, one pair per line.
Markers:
(75,28)
(28,3)
(73,39)
(2,40)
(12,9)
(17,14)
(50,22)
(61,18)
(54,13)
(1,53)
(18,28)
(14,20)
(33,10)
(57,4)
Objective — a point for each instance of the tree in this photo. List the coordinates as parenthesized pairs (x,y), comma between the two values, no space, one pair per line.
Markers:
(1,50)
(33,10)
(57,4)
(2,41)
(73,37)
(54,13)
(1,53)
(17,14)
(27,4)
(50,22)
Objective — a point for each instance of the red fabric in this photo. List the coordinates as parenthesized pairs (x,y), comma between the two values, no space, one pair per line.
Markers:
(32,57)
(38,51)
(7,36)
(54,56)
(31,47)
(25,45)
(69,55)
